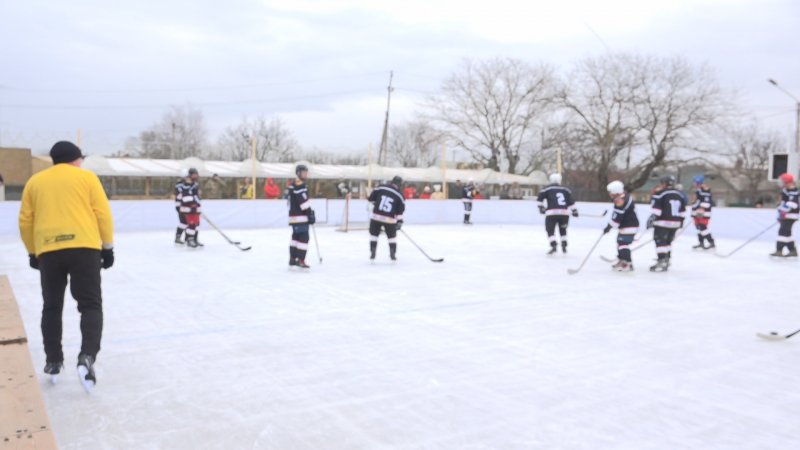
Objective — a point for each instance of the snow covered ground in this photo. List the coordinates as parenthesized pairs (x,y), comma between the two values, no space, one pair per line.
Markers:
(496,348)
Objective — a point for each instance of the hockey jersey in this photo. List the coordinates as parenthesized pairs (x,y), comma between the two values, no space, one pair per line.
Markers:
(557,200)
(703,202)
(187,197)
(388,204)
(299,203)
(623,217)
(789,203)
(669,207)
(468,193)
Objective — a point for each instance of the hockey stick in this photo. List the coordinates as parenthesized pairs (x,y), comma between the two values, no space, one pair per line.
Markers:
(436,260)
(774,336)
(232,242)
(316,242)
(646,243)
(596,243)
(748,241)
(594,216)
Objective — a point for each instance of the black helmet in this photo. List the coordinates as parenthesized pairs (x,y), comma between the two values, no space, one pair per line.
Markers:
(193,171)
(397,181)
(669,180)
(300,168)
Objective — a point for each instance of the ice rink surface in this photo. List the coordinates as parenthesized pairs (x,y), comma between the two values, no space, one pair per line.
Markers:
(496,348)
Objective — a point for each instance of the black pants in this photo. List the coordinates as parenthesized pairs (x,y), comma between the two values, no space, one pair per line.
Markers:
(375,231)
(82,267)
(550,224)
(785,235)
(663,237)
(467,211)
(624,242)
(299,245)
(182,224)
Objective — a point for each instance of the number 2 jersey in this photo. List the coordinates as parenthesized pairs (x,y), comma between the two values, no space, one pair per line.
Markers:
(388,204)
(703,202)
(790,203)
(557,200)
(669,207)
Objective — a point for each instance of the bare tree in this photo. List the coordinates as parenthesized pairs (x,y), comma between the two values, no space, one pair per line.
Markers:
(414,144)
(750,154)
(274,142)
(676,105)
(181,133)
(601,126)
(492,109)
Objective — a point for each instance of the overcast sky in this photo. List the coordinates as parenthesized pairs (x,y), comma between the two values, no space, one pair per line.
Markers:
(323,66)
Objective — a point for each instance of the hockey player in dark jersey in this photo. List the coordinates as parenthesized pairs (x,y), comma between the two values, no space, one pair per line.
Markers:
(556,203)
(788,213)
(468,192)
(187,203)
(388,207)
(668,210)
(301,217)
(624,219)
(701,212)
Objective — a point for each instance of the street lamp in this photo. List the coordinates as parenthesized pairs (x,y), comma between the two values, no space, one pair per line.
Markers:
(797,123)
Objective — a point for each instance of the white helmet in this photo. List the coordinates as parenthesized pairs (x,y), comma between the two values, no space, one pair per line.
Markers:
(615,187)
(555,178)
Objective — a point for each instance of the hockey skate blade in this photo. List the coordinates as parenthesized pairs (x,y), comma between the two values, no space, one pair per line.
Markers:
(88,385)
(772,336)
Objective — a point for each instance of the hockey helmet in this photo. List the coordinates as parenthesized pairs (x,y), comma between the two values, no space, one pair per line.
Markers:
(615,187)
(787,178)
(300,168)
(397,181)
(699,179)
(555,178)
(668,180)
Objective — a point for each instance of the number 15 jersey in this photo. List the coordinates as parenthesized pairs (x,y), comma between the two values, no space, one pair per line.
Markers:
(388,204)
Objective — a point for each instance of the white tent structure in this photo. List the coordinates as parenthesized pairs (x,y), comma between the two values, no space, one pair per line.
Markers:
(155,168)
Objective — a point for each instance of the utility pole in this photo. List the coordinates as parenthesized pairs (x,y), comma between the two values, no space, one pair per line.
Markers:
(384,137)
(797,124)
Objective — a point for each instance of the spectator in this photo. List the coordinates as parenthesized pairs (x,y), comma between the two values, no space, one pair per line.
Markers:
(437,192)
(515,193)
(504,193)
(410,192)
(271,190)
(455,194)
(343,188)
(426,193)
(246,191)
(2,189)
(215,187)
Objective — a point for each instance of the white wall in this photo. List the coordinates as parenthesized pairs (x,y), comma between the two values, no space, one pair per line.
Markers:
(151,215)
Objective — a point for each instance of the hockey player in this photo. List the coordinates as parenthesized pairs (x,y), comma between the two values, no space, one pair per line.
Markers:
(701,212)
(556,203)
(624,219)
(301,217)
(187,203)
(467,194)
(788,213)
(388,207)
(668,209)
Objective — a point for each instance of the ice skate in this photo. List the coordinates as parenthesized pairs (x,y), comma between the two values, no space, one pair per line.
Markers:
(777,254)
(622,266)
(563,247)
(53,369)
(86,372)
(553,250)
(302,264)
(179,241)
(661,266)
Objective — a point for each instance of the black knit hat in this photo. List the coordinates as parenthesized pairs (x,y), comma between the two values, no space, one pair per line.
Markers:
(65,152)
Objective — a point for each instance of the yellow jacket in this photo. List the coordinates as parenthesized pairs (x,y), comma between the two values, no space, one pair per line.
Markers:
(65,207)
(248,192)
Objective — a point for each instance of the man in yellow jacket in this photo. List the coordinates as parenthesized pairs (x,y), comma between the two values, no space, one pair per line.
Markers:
(65,223)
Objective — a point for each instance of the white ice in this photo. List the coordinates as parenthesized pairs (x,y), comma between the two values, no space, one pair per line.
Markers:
(496,348)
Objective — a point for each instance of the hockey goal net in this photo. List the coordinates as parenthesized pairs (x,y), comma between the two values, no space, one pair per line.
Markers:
(355,215)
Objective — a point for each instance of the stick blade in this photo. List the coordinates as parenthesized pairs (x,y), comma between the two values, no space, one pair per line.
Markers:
(573,271)
(244,249)
(771,336)
(438,260)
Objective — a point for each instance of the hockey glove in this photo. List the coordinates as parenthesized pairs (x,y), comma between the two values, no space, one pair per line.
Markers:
(541,209)
(607,229)
(33,261)
(651,221)
(574,213)
(106,258)
(312,218)
(399,224)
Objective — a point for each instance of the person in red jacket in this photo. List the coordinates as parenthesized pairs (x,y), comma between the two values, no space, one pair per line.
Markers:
(271,190)
(410,192)
(426,193)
